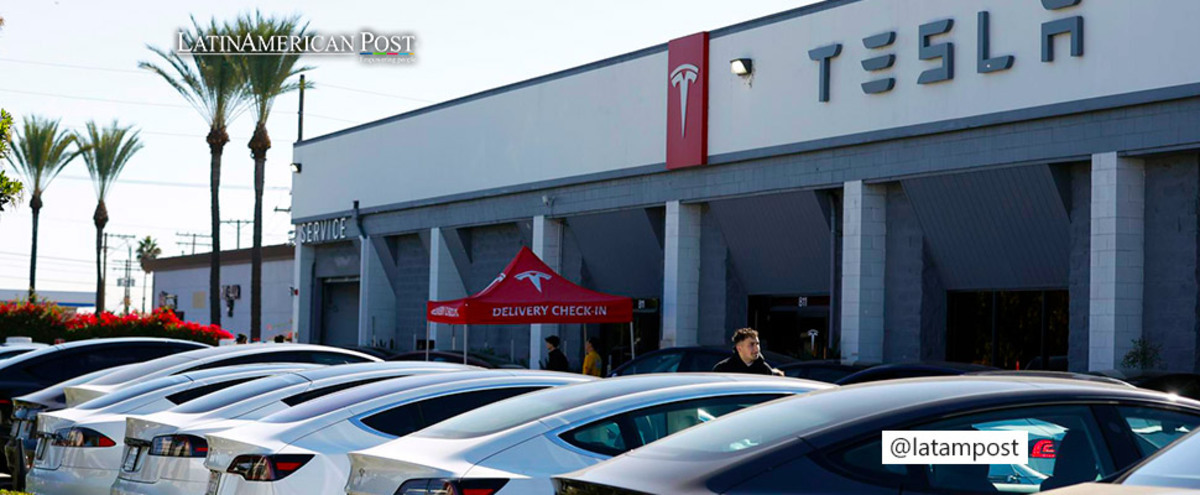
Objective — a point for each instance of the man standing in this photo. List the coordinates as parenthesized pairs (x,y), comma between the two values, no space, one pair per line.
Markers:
(747,356)
(555,359)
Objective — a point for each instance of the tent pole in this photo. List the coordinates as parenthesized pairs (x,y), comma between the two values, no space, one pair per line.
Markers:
(466,341)
(632,347)
(428,328)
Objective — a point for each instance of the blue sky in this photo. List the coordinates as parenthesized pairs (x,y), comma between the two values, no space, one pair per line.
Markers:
(77,60)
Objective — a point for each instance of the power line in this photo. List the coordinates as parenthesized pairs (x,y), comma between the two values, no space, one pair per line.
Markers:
(72,66)
(145,103)
(148,73)
(90,98)
(320,85)
(42,256)
(198,185)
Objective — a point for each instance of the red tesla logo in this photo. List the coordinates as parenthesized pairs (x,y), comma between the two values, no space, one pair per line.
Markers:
(687,101)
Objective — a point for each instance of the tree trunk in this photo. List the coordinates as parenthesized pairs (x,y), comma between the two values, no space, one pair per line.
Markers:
(259,145)
(35,204)
(217,137)
(100,218)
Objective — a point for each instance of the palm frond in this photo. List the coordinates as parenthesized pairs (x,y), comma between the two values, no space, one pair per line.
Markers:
(210,84)
(106,152)
(268,76)
(41,151)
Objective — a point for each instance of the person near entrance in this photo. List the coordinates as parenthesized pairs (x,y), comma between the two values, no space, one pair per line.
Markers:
(591,362)
(555,359)
(747,356)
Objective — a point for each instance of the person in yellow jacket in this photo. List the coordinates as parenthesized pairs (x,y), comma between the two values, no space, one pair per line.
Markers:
(592,362)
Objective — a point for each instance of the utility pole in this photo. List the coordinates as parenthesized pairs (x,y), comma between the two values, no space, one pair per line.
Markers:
(193,236)
(127,281)
(239,224)
(104,256)
(300,113)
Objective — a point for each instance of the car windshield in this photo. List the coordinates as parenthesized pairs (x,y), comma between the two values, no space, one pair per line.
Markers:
(140,371)
(238,393)
(131,392)
(1174,467)
(525,408)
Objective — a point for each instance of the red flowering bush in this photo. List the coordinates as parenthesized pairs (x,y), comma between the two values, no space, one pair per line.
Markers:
(42,321)
(46,322)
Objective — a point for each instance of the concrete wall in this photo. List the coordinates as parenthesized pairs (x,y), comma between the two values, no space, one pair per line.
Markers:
(904,267)
(412,257)
(610,117)
(1080,275)
(714,287)
(491,249)
(1169,315)
(191,287)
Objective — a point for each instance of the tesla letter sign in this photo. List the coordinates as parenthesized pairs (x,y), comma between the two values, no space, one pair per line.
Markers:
(687,101)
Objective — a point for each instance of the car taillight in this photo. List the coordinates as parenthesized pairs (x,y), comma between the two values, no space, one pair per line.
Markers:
(82,438)
(451,487)
(267,467)
(179,446)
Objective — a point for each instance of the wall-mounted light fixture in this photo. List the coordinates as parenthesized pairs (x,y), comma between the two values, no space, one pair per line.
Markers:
(741,66)
(297,167)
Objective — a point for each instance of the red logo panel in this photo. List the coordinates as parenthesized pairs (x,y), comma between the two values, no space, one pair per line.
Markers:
(687,101)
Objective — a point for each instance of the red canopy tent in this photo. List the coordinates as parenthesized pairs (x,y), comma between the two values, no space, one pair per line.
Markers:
(527,292)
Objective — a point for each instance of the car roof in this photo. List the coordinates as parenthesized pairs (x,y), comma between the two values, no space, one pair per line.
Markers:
(365,393)
(202,356)
(1052,374)
(93,342)
(729,384)
(351,368)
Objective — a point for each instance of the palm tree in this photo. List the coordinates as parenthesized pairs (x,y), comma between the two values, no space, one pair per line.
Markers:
(214,87)
(147,250)
(42,151)
(266,78)
(106,151)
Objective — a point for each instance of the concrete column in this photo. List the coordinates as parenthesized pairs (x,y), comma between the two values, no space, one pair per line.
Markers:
(304,287)
(681,276)
(376,300)
(547,244)
(444,283)
(1117,258)
(864,255)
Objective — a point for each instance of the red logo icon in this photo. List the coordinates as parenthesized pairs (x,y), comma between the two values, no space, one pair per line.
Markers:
(687,101)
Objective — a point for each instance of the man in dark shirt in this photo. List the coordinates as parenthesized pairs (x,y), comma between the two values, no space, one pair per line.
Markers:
(747,356)
(555,359)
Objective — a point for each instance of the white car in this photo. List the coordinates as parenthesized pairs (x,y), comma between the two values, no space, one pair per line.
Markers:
(303,449)
(164,452)
(214,357)
(79,449)
(515,446)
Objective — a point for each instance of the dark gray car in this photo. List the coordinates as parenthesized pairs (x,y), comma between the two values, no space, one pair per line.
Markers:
(829,441)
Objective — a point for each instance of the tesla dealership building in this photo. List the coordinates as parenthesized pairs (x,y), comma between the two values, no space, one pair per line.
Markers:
(1005,182)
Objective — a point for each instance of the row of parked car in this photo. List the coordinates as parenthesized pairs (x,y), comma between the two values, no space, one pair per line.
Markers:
(156,416)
